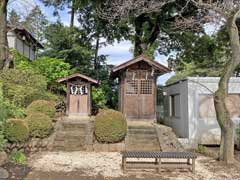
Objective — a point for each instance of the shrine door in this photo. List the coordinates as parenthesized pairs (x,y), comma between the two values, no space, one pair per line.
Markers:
(78,100)
(139,102)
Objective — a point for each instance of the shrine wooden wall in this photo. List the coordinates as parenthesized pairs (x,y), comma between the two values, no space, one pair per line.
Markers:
(137,93)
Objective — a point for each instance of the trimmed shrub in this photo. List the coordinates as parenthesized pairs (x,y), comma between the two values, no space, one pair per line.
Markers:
(110,126)
(40,125)
(16,130)
(42,106)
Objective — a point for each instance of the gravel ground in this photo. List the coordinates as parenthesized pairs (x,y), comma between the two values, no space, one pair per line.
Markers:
(108,166)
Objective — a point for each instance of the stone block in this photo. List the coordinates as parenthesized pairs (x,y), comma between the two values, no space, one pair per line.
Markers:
(3,158)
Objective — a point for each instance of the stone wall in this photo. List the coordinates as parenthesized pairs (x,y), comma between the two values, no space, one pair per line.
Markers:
(33,145)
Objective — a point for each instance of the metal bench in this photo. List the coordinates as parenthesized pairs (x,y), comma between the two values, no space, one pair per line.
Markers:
(158,163)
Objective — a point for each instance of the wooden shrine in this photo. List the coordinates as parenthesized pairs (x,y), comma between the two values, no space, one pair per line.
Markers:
(78,94)
(138,87)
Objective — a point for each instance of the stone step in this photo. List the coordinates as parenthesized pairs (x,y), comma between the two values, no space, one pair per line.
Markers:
(69,126)
(141,127)
(61,136)
(68,149)
(142,141)
(142,136)
(68,144)
(142,131)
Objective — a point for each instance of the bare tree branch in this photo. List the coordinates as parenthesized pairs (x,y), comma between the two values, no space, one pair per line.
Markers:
(117,9)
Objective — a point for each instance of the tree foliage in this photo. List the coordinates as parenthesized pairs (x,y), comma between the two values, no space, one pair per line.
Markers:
(71,45)
(36,22)
(152,20)
(52,69)
(21,87)
(14,19)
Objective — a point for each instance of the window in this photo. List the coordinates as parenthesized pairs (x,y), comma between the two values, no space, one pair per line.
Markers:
(146,86)
(132,87)
(175,105)
(207,109)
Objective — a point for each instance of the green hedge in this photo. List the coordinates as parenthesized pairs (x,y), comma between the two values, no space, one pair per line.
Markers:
(110,126)
(42,106)
(40,125)
(16,130)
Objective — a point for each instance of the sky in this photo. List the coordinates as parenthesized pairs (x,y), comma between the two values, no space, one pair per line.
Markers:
(117,52)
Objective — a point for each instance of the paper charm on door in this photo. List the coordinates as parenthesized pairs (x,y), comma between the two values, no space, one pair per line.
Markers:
(78,89)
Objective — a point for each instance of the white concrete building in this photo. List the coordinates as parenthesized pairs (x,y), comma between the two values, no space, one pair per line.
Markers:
(189,108)
(21,40)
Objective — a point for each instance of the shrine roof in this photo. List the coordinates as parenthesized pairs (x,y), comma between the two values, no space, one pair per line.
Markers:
(158,66)
(78,75)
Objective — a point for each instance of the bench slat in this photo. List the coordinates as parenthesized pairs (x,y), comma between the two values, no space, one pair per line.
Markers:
(176,155)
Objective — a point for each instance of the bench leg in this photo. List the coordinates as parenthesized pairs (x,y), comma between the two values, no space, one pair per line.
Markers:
(193,166)
(124,164)
(159,165)
(156,160)
(188,161)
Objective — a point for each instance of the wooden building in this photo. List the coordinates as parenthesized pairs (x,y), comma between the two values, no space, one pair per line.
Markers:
(23,41)
(137,87)
(78,94)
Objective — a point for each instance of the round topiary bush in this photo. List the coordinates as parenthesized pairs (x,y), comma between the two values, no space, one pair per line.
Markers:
(40,125)
(16,130)
(110,126)
(42,106)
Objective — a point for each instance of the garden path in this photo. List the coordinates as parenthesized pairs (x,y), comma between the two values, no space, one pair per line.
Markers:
(91,165)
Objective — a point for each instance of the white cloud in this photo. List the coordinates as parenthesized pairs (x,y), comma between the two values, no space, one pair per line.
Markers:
(118,52)
(23,7)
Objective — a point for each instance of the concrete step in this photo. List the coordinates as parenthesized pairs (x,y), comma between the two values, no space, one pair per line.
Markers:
(142,141)
(68,144)
(60,136)
(141,127)
(141,145)
(142,131)
(72,127)
(69,149)
(141,148)
(142,136)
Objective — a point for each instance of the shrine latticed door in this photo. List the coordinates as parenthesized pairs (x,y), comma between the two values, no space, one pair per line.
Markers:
(139,95)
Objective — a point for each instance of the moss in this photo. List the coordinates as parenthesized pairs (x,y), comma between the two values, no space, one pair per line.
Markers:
(16,130)
(175,78)
(110,126)
(42,106)
(40,125)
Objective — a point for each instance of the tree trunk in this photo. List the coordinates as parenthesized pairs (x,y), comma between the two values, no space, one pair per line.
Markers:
(3,33)
(142,41)
(96,54)
(138,46)
(96,63)
(72,14)
(222,113)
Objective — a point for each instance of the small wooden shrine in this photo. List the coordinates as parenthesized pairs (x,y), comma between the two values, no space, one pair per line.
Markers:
(138,87)
(78,94)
